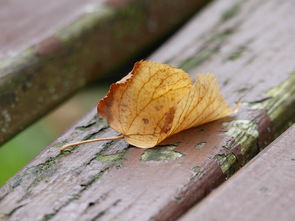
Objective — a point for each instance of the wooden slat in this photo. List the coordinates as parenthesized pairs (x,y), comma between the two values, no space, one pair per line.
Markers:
(50,50)
(115,181)
(263,190)
(24,24)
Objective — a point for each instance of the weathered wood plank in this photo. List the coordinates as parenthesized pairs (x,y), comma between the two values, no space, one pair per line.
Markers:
(111,180)
(263,190)
(64,47)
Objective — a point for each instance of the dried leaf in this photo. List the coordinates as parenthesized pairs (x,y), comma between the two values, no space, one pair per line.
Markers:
(156,100)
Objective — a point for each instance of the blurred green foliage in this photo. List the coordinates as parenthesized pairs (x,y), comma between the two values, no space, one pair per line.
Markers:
(16,153)
(20,150)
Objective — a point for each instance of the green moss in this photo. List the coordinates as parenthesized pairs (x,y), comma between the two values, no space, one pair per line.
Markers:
(96,122)
(198,171)
(113,158)
(131,18)
(24,57)
(245,133)
(228,163)
(87,126)
(231,12)
(200,145)
(49,216)
(40,171)
(219,37)
(280,106)
(17,181)
(211,47)
(7,97)
(235,55)
(197,60)
(263,189)
(225,83)
(61,143)
(161,154)
(84,23)
(3,215)
(242,90)
(279,95)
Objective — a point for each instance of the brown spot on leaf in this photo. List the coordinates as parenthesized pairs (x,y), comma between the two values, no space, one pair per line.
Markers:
(159,107)
(145,121)
(167,122)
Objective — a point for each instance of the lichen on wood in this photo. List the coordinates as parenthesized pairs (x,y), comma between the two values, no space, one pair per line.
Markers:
(163,153)
(228,163)
(244,133)
(280,104)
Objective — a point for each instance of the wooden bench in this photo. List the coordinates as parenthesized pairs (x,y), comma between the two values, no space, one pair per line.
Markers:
(248,45)
(70,43)
(262,190)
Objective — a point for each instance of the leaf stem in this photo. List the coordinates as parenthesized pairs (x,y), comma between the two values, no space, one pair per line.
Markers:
(90,141)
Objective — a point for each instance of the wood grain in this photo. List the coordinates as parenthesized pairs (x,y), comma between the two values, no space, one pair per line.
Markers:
(48,51)
(114,181)
(262,190)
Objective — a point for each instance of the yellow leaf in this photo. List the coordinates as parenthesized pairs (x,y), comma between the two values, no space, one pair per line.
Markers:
(156,100)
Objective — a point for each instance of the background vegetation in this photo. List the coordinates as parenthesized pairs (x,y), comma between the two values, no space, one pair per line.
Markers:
(16,153)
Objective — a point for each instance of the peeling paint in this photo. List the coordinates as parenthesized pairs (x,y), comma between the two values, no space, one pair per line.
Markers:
(228,163)
(280,108)
(244,132)
(200,145)
(112,159)
(164,153)
(280,104)
(198,171)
